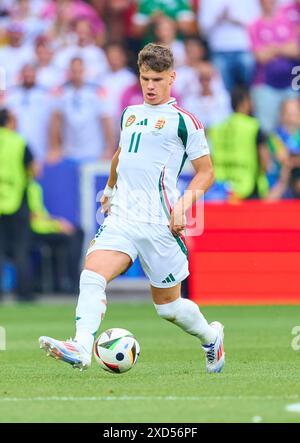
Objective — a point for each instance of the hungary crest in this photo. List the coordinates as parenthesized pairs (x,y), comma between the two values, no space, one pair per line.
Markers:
(160,123)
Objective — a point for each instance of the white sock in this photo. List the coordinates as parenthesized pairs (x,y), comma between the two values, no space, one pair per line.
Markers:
(186,314)
(90,309)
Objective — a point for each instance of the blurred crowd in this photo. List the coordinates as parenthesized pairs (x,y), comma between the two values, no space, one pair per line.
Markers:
(70,69)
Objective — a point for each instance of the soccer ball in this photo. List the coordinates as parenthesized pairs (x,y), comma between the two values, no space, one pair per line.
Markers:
(116,350)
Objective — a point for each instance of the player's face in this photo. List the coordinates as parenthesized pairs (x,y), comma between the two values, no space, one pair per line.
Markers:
(156,86)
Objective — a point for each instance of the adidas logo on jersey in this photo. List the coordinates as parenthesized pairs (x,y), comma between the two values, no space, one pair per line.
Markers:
(169,279)
(143,122)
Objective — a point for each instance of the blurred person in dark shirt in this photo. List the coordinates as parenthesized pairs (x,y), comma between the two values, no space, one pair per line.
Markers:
(284,145)
(16,165)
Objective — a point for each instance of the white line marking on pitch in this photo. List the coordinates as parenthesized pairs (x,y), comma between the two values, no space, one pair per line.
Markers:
(257,419)
(138,398)
(295,407)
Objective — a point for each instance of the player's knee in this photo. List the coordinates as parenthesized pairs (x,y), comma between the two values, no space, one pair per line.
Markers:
(168,311)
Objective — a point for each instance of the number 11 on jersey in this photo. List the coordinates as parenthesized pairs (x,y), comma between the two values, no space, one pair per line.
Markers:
(134,142)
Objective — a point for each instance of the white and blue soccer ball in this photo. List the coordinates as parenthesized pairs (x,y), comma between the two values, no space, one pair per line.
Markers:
(116,350)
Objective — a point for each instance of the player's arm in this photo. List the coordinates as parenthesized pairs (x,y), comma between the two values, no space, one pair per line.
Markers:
(200,183)
(111,182)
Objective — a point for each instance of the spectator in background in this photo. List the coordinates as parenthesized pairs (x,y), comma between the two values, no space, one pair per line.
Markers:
(85,48)
(294,185)
(131,96)
(32,106)
(27,12)
(16,54)
(81,126)
(75,10)
(117,15)
(239,152)
(178,10)
(224,24)
(15,166)
(196,53)
(211,105)
(284,145)
(60,27)
(117,80)
(48,75)
(165,33)
(5,7)
(275,46)
(292,12)
(63,239)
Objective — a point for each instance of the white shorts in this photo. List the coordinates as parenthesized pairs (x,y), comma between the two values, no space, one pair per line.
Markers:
(163,257)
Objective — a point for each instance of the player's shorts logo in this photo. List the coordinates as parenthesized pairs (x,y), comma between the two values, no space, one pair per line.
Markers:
(130,120)
(160,123)
(92,243)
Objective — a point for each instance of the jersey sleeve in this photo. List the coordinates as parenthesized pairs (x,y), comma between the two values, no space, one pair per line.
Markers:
(124,117)
(123,120)
(192,135)
(197,145)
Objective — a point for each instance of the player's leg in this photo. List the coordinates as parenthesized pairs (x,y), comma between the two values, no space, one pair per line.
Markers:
(182,312)
(164,260)
(187,315)
(110,254)
(101,267)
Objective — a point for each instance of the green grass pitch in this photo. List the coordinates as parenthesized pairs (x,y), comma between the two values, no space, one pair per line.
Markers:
(169,382)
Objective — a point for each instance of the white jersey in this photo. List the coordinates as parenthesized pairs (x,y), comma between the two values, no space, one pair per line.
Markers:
(32,108)
(155,142)
(82,110)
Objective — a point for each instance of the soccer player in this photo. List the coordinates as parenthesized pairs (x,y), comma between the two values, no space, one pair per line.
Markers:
(145,218)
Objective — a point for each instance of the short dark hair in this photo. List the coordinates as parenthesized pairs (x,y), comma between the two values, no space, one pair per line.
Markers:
(158,58)
(4,117)
(238,96)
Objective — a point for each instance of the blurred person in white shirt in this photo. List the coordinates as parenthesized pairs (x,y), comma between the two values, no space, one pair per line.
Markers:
(81,125)
(31,106)
(211,104)
(196,52)
(85,48)
(27,13)
(117,80)
(165,33)
(16,54)
(224,24)
(60,31)
(48,75)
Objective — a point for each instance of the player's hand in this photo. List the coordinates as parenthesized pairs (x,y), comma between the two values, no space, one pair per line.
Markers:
(105,204)
(178,222)
(106,198)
